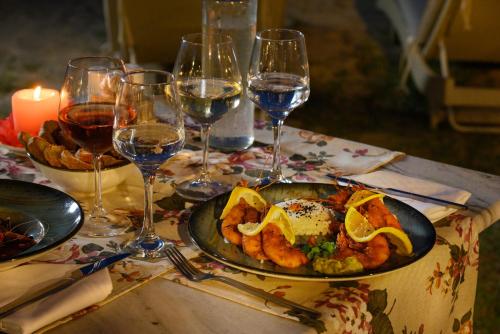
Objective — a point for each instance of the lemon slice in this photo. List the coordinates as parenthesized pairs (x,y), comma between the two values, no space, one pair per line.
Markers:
(276,215)
(360,230)
(361,197)
(357,226)
(249,195)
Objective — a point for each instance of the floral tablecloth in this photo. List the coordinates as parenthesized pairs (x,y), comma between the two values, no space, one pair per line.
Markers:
(434,295)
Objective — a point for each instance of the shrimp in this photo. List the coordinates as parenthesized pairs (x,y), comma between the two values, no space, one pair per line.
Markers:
(379,215)
(371,254)
(375,253)
(229,227)
(252,246)
(252,215)
(339,199)
(241,213)
(279,250)
(345,245)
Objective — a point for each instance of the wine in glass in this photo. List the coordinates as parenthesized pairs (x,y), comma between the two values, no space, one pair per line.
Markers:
(86,114)
(148,130)
(278,82)
(208,82)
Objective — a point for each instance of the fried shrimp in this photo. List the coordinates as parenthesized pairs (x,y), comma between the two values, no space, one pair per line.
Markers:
(229,227)
(379,215)
(371,254)
(240,213)
(339,199)
(279,250)
(252,246)
(375,253)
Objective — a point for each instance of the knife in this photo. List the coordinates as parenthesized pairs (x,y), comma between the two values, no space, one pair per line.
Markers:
(74,277)
(401,193)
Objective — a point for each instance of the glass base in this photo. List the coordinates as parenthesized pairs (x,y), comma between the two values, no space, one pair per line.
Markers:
(147,247)
(267,177)
(201,190)
(105,225)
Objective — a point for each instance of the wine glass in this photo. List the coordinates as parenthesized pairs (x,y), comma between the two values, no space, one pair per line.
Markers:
(148,130)
(278,82)
(208,82)
(86,116)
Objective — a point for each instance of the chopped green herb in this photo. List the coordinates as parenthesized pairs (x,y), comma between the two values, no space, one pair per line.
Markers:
(328,246)
(323,249)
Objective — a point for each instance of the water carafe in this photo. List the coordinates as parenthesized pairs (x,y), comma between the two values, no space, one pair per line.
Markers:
(236,18)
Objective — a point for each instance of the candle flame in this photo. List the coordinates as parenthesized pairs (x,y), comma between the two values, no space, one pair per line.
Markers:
(37,93)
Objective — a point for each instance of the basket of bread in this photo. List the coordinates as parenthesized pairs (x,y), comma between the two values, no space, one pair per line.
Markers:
(69,166)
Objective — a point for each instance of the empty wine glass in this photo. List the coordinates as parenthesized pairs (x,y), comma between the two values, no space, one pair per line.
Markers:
(86,116)
(148,130)
(209,85)
(278,82)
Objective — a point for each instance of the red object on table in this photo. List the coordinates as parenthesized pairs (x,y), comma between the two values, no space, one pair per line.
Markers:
(7,133)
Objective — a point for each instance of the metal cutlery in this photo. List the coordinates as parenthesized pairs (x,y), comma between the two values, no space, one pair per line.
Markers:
(194,274)
(74,277)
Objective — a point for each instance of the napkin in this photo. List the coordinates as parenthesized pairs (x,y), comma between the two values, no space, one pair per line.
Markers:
(340,155)
(434,212)
(29,278)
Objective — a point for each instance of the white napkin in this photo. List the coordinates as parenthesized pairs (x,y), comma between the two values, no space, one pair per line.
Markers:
(434,212)
(345,156)
(29,278)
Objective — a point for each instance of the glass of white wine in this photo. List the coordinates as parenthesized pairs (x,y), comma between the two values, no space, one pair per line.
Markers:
(208,83)
(148,130)
(278,82)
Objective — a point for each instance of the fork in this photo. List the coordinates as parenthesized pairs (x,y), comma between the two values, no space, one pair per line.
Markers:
(194,274)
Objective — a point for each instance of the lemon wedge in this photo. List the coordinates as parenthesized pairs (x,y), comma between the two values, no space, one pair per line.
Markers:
(361,197)
(360,230)
(252,197)
(357,226)
(276,215)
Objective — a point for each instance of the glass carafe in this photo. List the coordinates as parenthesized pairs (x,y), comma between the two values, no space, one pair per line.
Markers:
(236,18)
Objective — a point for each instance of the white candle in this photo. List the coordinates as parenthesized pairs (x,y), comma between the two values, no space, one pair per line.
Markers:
(32,107)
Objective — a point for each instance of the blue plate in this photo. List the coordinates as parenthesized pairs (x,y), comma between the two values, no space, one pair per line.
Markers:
(49,216)
(204,228)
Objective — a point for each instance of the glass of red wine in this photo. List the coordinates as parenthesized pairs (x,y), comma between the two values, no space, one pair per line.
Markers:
(278,82)
(148,130)
(86,115)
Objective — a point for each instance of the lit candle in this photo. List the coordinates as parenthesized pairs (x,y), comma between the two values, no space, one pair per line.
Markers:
(32,107)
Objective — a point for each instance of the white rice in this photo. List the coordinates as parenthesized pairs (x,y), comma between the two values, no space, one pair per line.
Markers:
(312,219)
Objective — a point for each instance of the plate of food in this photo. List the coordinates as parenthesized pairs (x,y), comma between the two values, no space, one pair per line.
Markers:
(34,219)
(311,231)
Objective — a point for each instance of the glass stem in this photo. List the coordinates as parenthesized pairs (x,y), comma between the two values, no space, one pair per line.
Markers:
(276,168)
(205,134)
(148,229)
(97,209)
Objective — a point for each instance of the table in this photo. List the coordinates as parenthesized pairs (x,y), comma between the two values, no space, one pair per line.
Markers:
(161,306)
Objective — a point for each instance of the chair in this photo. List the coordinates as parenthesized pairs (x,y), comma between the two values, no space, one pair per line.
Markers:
(449,31)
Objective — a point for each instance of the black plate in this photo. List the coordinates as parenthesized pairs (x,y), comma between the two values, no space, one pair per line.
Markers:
(205,232)
(59,214)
